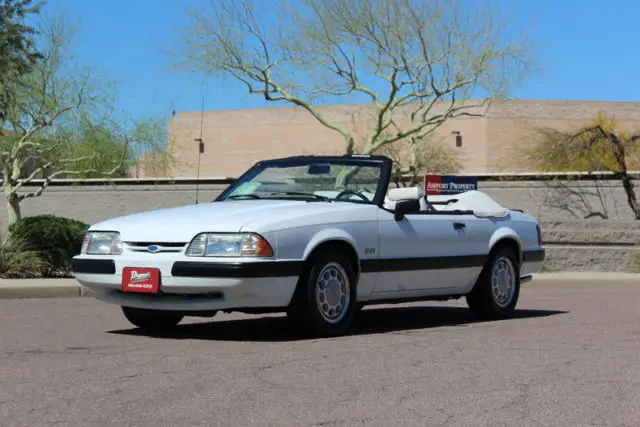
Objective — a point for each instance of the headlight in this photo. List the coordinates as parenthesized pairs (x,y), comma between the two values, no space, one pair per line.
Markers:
(231,245)
(102,243)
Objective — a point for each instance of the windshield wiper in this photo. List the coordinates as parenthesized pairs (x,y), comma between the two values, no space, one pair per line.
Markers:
(235,196)
(298,193)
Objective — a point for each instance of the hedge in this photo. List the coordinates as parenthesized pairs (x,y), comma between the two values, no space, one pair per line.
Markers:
(56,239)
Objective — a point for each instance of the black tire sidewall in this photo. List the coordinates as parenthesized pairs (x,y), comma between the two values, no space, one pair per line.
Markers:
(503,253)
(307,308)
(151,319)
(481,299)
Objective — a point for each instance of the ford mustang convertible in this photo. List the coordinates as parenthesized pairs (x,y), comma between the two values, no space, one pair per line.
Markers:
(317,237)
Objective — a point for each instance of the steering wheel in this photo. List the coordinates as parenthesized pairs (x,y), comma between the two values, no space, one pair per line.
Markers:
(351,192)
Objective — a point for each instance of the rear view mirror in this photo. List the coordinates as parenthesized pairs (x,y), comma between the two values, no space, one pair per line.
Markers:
(317,169)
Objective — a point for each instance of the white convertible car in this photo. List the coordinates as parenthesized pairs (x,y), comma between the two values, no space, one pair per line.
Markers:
(317,237)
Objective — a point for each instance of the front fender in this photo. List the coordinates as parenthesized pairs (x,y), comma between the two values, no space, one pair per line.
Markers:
(326,235)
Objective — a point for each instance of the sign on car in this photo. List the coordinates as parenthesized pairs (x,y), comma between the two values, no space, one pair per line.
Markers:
(449,184)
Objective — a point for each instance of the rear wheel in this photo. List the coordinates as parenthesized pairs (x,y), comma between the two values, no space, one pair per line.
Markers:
(496,293)
(325,300)
(153,320)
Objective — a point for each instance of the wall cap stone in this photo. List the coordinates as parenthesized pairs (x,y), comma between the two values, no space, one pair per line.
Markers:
(497,177)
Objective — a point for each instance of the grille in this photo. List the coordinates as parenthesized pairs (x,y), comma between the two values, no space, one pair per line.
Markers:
(161,246)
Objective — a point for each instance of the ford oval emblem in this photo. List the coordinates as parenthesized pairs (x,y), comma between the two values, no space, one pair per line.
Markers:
(153,248)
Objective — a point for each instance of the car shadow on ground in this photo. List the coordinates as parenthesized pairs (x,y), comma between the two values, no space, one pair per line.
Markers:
(369,321)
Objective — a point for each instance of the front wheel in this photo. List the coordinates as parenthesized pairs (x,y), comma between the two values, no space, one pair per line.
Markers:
(153,320)
(496,293)
(325,300)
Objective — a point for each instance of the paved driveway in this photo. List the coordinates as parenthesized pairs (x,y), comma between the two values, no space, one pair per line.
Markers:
(570,358)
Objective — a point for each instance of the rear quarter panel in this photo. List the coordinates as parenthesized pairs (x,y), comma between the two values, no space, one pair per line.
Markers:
(533,252)
(485,233)
(522,228)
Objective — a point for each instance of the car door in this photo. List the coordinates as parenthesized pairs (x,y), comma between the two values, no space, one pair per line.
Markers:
(429,253)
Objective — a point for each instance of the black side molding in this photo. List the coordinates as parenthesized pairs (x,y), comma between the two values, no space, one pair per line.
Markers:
(93,266)
(237,270)
(422,263)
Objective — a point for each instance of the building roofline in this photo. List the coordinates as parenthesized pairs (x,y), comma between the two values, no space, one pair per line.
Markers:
(503,102)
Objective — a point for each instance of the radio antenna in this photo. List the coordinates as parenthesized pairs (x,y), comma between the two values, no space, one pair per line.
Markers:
(200,148)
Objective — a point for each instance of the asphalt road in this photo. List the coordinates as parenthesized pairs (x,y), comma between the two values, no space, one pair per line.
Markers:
(572,357)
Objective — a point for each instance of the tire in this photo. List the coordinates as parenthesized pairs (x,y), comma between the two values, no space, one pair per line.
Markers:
(152,320)
(482,300)
(322,313)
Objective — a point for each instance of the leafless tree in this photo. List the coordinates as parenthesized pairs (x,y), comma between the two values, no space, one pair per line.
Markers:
(596,147)
(415,63)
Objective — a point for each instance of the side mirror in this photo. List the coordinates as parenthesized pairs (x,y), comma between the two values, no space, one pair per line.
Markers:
(404,207)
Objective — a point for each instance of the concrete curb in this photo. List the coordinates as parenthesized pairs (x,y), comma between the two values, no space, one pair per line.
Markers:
(586,276)
(70,288)
(42,288)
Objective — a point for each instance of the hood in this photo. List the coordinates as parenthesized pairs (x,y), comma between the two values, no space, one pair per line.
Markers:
(181,224)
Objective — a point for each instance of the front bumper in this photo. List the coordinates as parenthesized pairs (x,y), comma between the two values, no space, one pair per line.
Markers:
(193,285)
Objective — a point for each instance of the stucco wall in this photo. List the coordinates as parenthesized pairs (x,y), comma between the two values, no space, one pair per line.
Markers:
(573,243)
(92,203)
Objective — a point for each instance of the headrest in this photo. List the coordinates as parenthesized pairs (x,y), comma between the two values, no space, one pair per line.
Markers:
(414,193)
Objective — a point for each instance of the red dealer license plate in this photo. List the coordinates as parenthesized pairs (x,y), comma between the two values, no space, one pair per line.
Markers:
(135,279)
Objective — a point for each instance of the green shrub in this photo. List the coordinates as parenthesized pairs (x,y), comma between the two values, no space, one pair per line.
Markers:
(56,239)
(18,262)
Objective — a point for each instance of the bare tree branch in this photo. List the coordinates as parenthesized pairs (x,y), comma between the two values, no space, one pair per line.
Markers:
(430,57)
(576,199)
(596,147)
(65,172)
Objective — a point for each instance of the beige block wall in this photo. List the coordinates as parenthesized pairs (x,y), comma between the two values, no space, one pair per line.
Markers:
(474,141)
(92,203)
(507,137)
(561,226)
(514,124)
(563,109)
(236,139)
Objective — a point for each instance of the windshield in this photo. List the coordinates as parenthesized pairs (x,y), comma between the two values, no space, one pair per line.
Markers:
(339,180)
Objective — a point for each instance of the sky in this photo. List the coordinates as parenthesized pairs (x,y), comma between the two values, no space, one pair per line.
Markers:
(585,49)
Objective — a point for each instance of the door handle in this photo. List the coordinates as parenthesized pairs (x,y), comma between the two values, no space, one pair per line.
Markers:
(459,226)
